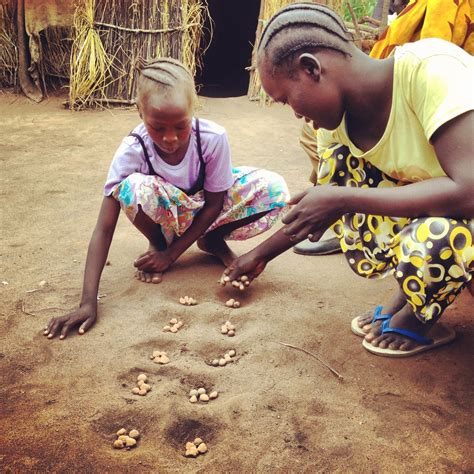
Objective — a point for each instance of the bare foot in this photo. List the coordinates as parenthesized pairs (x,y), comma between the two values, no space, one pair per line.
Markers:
(218,247)
(404,319)
(147,277)
(395,305)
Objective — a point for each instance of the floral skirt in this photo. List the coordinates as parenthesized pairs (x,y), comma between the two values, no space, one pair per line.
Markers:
(432,258)
(254,191)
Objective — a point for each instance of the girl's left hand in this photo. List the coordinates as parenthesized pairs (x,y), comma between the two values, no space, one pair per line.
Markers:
(154,261)
(314,211)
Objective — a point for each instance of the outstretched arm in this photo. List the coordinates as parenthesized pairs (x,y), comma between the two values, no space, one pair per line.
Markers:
(86,315)
(450,196)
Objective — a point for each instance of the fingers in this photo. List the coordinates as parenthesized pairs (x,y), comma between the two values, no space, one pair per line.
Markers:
(297,198)
(86,325)
(290,217)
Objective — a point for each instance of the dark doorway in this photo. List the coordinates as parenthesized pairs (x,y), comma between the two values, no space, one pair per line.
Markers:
(223,72)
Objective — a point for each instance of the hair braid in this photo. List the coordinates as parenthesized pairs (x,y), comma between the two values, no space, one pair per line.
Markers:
(303,27)
(165,73)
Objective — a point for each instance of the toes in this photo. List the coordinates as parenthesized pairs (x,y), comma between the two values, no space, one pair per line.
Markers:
(156,278)
(148,277)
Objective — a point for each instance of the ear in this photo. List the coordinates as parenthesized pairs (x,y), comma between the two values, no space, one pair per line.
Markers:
(310,65)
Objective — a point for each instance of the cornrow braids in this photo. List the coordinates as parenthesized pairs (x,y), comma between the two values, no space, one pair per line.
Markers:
(166,73)
(303,27)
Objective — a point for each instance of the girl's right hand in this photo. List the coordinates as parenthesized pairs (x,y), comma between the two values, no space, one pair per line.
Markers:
(247,264)
(85,316)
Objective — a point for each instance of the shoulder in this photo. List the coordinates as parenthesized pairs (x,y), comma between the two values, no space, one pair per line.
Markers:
(433,51)
(131,145)
(208,129)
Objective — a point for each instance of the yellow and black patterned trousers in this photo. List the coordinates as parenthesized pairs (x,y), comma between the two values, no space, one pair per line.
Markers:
(432,258)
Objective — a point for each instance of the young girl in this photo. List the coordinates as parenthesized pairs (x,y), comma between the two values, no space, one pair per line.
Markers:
(395,139)
(173,178)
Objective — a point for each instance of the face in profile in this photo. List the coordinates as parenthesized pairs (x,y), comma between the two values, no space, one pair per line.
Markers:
(308,92)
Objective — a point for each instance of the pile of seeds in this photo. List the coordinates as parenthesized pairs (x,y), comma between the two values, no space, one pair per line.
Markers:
(240,283)
(195,448)
(228,328)
(227,358)
(159,357)
(126,441)
(142,387)
(174,327)
(232,303)
(201,395)
(188,301)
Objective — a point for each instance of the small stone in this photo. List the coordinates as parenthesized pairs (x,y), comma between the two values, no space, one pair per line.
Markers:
(42,283)
(230,303)
(244,278)
(140,383)
(232,352)
(158,353)
(182,300)
(118,444)
(121,431)
(174,329)
(213,395)
(146,387)
(163,359)
(197,441)
(135,434)
(192,452)
(132,442)
(179,324)
(173,321)
(231,333)
(193,392)
(193,399)
(204,397)
(222,362)
(201,390)
(215,362)
(142,377)
(202,448)
(227,358)
(231,327)
(135,390)
(166,329)
(241,287)
(142,392)
(189,445)
(123,438)
(236,304)
(224,329)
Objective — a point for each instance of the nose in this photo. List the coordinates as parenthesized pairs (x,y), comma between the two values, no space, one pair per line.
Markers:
(170,136)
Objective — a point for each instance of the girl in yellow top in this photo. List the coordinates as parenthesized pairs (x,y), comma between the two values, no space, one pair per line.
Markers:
(404,150)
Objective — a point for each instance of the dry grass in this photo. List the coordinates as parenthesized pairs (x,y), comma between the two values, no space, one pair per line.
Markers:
(115,37)
(8,49)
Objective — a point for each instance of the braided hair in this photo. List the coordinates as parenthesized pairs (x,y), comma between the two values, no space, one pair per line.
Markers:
(303,27)
(161,75)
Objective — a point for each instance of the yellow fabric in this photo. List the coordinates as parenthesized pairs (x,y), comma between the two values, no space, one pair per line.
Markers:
(310,146)
(445,19)
(433,83)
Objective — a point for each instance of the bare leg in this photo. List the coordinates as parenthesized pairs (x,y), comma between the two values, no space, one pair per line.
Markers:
(156,241)
(214,242)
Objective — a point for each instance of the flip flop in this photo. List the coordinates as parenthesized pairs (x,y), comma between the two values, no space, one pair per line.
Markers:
(378,316)
(440,335)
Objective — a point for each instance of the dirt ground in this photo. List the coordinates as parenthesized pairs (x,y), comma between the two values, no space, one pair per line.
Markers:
(279,410)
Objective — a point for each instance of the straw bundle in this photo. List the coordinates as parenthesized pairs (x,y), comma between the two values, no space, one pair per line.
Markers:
(122,35)
(8,49)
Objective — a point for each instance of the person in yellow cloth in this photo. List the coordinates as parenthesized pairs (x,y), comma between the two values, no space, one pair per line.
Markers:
(445,19)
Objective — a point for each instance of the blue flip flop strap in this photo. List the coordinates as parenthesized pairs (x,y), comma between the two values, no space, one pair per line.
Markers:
(405,332)
(378,316)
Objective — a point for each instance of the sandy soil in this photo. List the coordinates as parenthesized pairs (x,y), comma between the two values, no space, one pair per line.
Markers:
(279,410)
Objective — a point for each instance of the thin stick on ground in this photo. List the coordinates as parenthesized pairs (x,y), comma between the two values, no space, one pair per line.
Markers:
(335,372)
